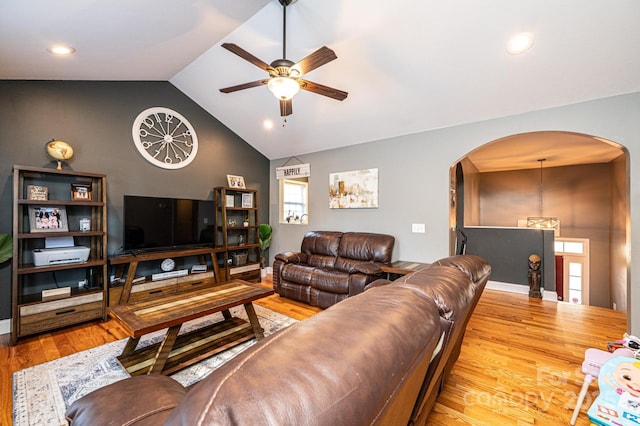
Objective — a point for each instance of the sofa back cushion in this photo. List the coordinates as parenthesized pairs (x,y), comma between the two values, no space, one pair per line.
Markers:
(474,266)
(321,248)
(361,361)
(366,246)
(451,289)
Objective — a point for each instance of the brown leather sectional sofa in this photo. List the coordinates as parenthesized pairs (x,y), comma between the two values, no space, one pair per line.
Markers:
(377,358)
(331,266)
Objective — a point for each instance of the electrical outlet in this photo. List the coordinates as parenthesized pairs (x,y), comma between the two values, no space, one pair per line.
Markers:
(418,227)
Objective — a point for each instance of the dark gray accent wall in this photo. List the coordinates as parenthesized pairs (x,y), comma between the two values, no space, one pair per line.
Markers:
(96,119)
(508,249)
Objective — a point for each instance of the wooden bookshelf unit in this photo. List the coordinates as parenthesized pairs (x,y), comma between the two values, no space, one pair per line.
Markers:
(59,291)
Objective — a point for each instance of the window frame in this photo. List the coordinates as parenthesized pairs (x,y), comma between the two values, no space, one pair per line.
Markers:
(282,215)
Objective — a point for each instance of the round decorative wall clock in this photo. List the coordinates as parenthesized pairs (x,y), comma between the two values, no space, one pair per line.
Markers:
(165,138)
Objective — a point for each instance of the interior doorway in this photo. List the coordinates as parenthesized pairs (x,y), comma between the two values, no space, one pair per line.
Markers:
(585,186)
(575,270)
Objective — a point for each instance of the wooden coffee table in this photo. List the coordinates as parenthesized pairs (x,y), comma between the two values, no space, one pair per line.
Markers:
(176,352)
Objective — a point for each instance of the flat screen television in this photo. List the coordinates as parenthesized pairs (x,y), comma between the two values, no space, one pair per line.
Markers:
(160,223)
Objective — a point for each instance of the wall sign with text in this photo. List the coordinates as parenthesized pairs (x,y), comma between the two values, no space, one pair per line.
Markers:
(292,172)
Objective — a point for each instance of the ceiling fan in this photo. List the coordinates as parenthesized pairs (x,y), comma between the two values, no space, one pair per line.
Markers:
(284,75)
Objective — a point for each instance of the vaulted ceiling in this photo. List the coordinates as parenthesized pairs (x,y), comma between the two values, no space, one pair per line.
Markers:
(408,66)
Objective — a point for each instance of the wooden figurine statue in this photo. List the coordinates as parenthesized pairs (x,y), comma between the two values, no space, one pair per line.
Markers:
(534,276)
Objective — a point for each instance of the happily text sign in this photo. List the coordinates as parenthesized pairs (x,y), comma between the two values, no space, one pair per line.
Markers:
(292,172)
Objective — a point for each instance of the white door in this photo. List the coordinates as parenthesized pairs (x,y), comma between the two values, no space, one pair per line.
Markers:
(575,252)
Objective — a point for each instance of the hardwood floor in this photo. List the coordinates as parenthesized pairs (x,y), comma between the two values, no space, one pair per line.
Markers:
(520,361)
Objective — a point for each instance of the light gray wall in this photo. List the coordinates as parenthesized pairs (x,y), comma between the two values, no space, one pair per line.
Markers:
(414,178)
(96,119)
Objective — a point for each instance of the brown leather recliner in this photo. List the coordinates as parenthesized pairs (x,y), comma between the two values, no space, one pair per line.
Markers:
(374,359)
(360,362)
(443,282)
(331,266)
(455,283)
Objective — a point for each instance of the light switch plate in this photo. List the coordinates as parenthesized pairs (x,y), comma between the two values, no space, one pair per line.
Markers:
(418,227)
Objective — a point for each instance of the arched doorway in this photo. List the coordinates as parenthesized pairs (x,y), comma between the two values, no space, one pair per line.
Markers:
(584,184)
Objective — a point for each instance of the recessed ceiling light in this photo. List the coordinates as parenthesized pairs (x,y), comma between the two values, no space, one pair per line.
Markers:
(61,50)
(268,124)
(520,43)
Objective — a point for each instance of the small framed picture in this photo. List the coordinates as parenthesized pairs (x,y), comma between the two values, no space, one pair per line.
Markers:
(247,201)
(38,192)
(230,201)
(236,182)
(81,191)
(48,219)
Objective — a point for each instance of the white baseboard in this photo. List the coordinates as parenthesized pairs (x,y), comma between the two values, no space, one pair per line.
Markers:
(5,326)
(521,289)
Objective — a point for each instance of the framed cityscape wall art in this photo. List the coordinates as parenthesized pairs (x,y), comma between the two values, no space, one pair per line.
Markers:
(357,189)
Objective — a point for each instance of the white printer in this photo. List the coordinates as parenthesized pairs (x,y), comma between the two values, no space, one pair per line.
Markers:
(58,251)
(60,255)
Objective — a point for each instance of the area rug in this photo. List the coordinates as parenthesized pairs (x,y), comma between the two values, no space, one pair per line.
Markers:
(41,394)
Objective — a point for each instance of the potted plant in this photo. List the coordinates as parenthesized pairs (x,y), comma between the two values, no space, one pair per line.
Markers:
(264,232)
(6,247)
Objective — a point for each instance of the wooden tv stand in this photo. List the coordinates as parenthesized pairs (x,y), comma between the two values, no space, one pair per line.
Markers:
(133,292)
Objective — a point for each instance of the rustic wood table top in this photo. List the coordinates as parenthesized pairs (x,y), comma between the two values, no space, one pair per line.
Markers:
(145,317)
(403,267)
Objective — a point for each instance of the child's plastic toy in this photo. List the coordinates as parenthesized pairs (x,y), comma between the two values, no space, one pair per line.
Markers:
(593,361)
(619,400)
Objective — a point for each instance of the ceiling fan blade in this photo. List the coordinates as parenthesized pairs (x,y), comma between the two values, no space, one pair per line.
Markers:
(320,89)
(286,108)
(244,86)
(315,60)
(234,48)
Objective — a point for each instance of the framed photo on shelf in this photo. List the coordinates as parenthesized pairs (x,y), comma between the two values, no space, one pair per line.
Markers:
(48,219)
(81,191)
(247,201)
(229,202)
(37,192)
(236,182)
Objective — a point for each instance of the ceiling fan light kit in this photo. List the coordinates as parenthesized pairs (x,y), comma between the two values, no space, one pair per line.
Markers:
(283,88)
(284,75)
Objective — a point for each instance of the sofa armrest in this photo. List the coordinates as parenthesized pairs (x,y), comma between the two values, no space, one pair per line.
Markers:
(377,283)
(353,266)
(368,268)
(292,257)
(141,400)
